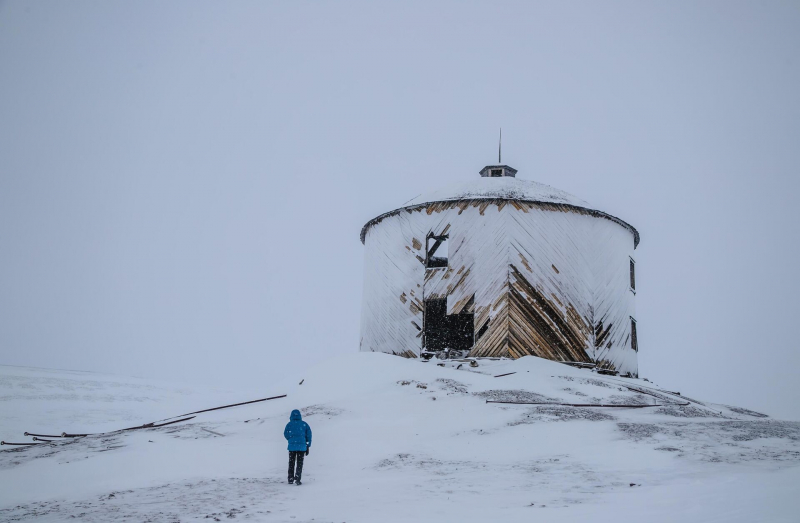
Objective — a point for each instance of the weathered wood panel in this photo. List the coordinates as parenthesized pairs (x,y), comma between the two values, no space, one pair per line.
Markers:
(614,302)
(392,304)
(551,283)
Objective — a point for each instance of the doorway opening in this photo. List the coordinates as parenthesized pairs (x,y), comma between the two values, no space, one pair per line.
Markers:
(447,331)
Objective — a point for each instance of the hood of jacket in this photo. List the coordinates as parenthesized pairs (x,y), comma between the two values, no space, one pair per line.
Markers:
(296,416)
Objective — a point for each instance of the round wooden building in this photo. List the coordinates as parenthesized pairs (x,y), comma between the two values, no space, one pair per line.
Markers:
(498,266)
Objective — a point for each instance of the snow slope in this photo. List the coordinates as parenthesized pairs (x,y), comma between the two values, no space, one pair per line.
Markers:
(400,440)
(75,401)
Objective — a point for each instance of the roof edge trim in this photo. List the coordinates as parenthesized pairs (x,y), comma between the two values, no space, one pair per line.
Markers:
(567,206)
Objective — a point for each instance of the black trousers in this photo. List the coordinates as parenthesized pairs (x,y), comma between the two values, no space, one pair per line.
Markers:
(296,455)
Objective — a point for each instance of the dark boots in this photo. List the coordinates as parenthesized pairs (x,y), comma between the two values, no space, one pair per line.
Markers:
(296,457)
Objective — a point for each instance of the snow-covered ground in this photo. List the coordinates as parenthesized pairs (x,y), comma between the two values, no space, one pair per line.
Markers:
(394,440)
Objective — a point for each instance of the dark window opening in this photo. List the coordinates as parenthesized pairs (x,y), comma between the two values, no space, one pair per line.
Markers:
(482,330)
(436,252)
(633,275)
(634,341)
(446,331)
(497,172)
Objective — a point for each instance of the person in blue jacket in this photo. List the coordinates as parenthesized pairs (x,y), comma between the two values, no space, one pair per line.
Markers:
(298,433)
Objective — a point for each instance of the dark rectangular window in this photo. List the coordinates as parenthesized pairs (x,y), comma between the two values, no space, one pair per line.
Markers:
(436,252)
(497,172)
(633,275)
(482,330)
(634,341)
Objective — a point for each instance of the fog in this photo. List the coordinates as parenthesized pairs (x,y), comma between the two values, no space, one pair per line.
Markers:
(182,184)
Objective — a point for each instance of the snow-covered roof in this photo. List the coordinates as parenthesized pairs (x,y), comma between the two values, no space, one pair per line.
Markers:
(505,188)
(500,188)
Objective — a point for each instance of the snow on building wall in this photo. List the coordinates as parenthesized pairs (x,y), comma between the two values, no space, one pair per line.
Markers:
(501,267)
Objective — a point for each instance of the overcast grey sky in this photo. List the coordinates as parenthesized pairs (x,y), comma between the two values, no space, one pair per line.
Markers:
(182,184)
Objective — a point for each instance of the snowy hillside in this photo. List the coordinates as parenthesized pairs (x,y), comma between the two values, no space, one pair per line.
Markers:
(394,440)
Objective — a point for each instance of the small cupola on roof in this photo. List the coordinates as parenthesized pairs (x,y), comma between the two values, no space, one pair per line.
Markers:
(498,171)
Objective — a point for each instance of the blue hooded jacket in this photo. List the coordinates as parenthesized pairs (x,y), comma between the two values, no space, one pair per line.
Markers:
(297,432)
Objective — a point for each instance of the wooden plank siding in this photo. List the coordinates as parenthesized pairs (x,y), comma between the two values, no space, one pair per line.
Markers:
(542,279)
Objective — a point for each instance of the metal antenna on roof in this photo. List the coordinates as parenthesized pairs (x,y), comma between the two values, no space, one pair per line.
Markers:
(500,147)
